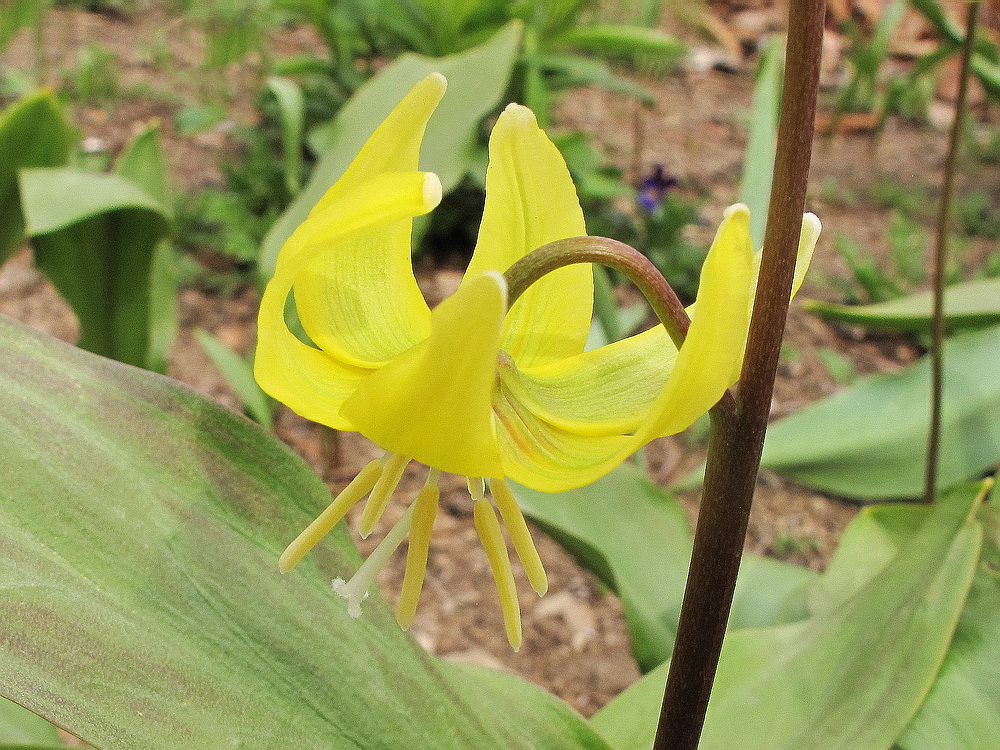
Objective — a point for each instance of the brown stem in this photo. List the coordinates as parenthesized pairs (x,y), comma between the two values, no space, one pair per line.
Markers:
(738,437)
(940,257)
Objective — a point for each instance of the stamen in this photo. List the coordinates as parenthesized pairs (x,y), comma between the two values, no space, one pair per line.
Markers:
(424,511)
(477,487)
(393,464)
(356,589)
(520,537)
(488,528)
(360,486)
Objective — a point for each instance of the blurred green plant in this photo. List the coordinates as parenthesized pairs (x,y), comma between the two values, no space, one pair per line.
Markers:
(100,238)
(94,77)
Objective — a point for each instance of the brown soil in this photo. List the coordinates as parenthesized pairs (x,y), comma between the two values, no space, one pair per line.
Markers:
(575,641)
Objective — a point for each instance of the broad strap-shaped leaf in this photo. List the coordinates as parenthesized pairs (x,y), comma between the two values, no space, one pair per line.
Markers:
(971,304)
(850,678)
(477,79)
(635,538)
(145,162)
(95,237)
(292,111)
(140,527)
(18,726)
(868,442)
(33,133)
(962,710)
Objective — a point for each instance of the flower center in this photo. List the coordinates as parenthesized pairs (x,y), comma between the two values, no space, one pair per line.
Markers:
(379,480)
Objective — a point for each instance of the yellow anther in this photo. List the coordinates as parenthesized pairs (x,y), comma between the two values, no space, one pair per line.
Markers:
(488,528)
(393,466)
(520,537)
(360,486)
(424,511)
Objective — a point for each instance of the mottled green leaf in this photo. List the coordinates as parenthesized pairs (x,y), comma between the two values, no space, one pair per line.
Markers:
(972,304)
(239,374)
(19,726)
(140,525)
(635,538)
(848,678)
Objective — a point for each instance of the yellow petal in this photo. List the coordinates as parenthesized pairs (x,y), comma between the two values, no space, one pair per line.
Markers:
(808,236)
(710,359)
(605,391)
(545,440)
(531,201)
(315,383)
(433,403)
(360,300)
(395,144)
(550,459)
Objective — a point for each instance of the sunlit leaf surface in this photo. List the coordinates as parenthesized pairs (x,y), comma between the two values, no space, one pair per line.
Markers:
(140,527)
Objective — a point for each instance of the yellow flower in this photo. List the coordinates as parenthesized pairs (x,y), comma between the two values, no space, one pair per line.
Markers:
(472,388)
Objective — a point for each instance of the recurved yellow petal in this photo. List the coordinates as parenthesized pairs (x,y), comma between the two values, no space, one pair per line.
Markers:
(531,201)
(395,144)
(710,359)
(315,383)
(808,236)
(545,441)
(434,402)
(360,300)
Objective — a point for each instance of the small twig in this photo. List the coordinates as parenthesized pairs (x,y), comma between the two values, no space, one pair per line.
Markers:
(940,258)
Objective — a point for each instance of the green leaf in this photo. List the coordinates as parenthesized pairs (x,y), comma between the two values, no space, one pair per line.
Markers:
(140,526)
(758,163)
(292,109)
(95,237)
(635,43)
(572,71)
(20,726)
(869,442)
(962,710)
(239,374)
(145,163)
(33,133)
(971,304)
(850,678)
(635,538)
(477,80)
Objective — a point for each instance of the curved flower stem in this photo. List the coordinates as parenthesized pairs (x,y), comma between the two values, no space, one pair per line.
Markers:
(604,252)
(939,259)
(621,257)
(738,436)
